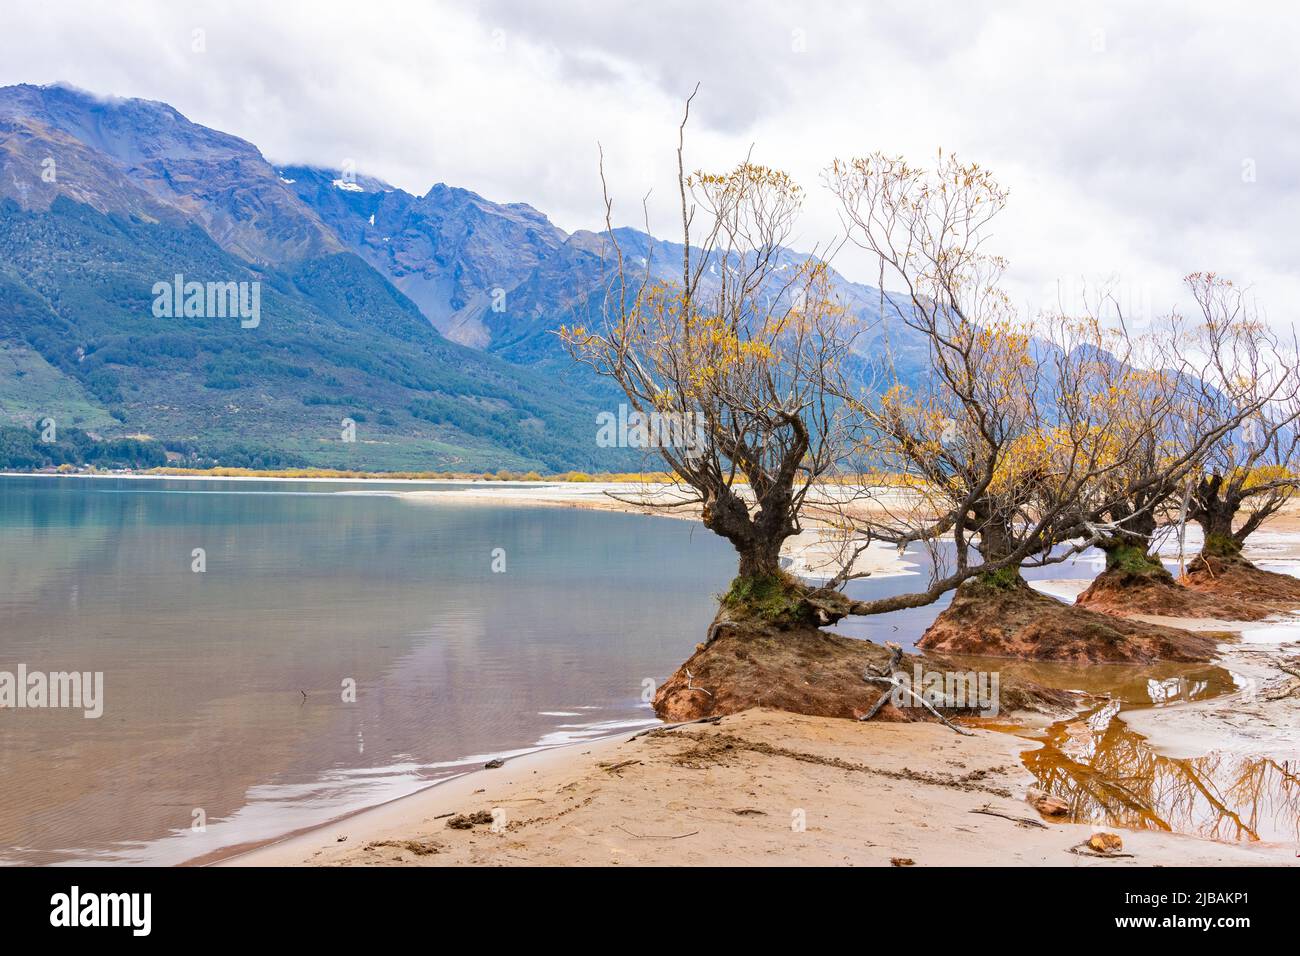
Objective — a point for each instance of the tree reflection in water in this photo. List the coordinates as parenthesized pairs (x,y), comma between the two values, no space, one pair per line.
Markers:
(1108,773)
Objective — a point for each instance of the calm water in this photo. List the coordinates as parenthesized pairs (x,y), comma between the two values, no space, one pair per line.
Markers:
(308,585)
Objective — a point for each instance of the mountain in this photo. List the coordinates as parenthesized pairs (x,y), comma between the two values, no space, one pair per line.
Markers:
(449,250)
(176,167)
(502,277)
(139,196)
(425,320)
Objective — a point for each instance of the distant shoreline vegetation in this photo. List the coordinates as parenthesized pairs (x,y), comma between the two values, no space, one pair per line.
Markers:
(72,449)
(24,449)
(78,452)
(502,475)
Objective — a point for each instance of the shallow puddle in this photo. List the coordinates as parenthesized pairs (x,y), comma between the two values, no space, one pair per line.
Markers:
(1271,632)
(1109,774)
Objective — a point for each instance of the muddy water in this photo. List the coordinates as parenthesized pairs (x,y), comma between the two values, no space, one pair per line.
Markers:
(1109,774)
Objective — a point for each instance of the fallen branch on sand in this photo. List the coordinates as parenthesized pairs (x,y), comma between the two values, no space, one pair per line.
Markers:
(684,723)
(654,836)
(889,680)
(1018,821)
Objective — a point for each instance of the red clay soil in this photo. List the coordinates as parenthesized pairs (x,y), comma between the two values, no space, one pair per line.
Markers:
(1239,580)
(1125,593)
(809,671)
(1017,621)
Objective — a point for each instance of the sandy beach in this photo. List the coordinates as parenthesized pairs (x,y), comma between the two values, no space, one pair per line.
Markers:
(760,787)
(810,554)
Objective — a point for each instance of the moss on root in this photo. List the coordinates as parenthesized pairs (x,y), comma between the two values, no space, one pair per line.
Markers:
(992,583)
(775,599)
(1221,546)
(1130,559)
(1001,580)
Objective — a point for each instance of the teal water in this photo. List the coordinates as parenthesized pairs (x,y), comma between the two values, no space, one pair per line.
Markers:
(223,690)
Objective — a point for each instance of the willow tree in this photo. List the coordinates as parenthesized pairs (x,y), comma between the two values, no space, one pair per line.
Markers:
(997,445)
(1250,472)
(750,346)
(1013,434)
(744,348)
(1165,433)
(1032,466)
(1203,381)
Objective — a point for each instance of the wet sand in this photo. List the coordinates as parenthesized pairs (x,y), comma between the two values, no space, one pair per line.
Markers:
(757,788)
(1261,718)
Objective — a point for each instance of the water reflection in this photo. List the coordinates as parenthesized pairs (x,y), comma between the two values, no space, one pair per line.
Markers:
(223,689)
(1109,774)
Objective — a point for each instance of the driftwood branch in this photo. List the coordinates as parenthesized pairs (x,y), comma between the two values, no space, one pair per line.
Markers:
(888,679)
(895,682)
(684,723)
(895,658)
(690,684)
(1019,821)
(655,836)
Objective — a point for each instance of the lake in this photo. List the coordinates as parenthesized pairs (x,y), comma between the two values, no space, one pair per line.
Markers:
(224,688)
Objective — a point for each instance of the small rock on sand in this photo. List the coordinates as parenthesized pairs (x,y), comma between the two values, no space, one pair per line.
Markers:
(1106,842)
(464,821)
(1046,804)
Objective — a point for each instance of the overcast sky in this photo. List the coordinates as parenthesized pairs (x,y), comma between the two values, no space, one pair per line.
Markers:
(1139,142)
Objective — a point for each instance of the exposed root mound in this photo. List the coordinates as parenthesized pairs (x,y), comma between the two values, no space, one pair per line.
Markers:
(808,671)
(1237,579)
(1124,593)
(1010,619)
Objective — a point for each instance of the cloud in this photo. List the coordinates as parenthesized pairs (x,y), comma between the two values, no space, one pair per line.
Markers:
(1139,143)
